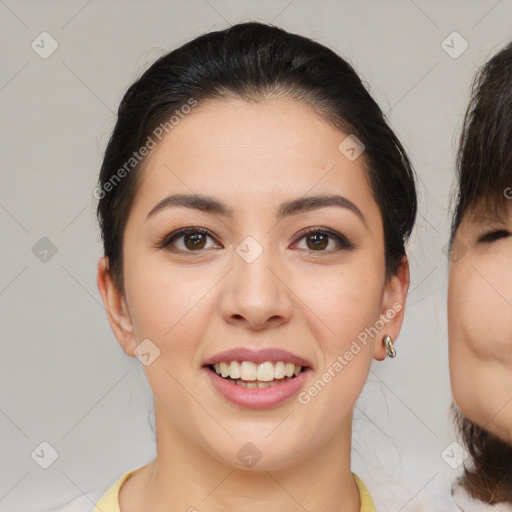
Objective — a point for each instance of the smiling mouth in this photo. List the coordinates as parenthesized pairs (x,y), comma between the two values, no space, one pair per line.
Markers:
(251,375)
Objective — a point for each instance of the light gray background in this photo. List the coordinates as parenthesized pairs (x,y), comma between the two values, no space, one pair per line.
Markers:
(64,378)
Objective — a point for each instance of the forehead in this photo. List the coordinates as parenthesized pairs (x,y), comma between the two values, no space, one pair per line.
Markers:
(490,211)
(248,153)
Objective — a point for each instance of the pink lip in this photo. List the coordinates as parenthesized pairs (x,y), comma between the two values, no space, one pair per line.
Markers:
(257,357)
(258,398)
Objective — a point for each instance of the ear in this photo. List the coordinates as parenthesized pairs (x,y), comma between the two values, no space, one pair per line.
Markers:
(116,307)
(393,307)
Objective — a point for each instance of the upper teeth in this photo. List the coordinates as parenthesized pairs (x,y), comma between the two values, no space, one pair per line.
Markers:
(247,370)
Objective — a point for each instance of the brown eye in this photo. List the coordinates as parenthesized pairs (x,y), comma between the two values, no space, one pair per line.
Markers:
(318,239)
(193,240)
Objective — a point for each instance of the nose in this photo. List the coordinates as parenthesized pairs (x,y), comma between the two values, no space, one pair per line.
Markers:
(255,293)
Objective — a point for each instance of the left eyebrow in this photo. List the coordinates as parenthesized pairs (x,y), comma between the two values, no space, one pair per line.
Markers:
(294,207)
(305,204)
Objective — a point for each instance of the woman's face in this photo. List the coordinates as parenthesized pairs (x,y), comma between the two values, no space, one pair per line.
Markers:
(480,322)
(247,277)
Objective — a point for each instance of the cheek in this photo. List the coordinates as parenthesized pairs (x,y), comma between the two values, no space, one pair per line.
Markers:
(349,302)
(171,309)
(360,288)
(349,305)
(480,341)
(480,314)
(167,307)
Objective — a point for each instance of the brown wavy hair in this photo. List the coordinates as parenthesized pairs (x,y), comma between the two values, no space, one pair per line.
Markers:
(484,172)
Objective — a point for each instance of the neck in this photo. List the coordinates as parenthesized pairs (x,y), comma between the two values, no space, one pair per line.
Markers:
(191,479)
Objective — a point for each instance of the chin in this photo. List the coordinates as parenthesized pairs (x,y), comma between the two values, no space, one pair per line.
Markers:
(503,430)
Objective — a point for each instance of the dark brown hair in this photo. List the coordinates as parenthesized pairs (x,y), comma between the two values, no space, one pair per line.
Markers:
(488,473)
(253,61)
(484,172)
(484,158)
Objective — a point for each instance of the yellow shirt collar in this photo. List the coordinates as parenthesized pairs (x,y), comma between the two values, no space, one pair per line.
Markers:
(109,502)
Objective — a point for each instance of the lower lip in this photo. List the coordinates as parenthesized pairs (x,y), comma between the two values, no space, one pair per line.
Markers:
(258,398)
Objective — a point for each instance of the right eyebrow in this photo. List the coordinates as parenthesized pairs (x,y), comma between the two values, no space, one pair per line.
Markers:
(195,201)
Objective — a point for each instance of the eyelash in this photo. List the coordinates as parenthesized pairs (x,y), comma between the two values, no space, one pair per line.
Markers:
(344,242)
(493,236)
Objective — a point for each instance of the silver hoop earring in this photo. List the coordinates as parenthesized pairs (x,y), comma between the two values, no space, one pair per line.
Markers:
(388,343)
